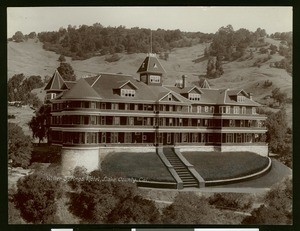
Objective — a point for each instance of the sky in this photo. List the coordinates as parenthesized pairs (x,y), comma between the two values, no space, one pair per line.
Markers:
(191,19)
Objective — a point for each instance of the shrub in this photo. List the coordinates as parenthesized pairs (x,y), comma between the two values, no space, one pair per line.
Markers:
(277,208)
(11,116)
(187,208)
(36,198)
(113,58)
(231,201)
(19,146)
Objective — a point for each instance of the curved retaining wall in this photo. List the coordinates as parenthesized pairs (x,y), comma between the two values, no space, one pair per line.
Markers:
(241,179)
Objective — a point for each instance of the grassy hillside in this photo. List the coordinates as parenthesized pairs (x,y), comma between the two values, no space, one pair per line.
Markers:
(30,58)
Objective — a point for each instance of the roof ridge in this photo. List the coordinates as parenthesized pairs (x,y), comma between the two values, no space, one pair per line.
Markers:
(96,80)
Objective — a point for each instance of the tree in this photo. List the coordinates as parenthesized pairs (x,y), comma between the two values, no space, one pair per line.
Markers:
(279,97)
(39,124)
(32,35)
(66,71)
(18,37)
(187,208)
(109,201)
(19,146)
(219,68)
(277,207)
(210,69)
(134,210)
(62,58)
(276,124)
(15,92)
(36,198)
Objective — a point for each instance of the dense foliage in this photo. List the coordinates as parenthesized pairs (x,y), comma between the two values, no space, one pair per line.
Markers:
(187,208)
(19,146)
(19,89)
(231,44)
(277,207)
(40,123)
(66,71)
(36,198)
(86,41)
(234,201)
(279,136)
(96,199)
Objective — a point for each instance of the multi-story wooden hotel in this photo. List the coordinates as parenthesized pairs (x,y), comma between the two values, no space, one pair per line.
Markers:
(111,112)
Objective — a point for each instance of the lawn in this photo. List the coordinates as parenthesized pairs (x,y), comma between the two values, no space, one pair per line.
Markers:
(146,166)
(225,165)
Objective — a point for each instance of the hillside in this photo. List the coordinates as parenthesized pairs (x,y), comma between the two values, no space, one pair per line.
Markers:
(31,59)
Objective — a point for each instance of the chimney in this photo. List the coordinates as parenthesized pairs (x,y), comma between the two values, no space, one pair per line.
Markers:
(184,81)
(250,95)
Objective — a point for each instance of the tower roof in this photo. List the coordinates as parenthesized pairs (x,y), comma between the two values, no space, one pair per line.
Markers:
(56,82)
(151,64)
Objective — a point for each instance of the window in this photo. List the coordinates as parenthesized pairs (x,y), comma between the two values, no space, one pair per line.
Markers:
(236,110)
(225,109)
(154,79)
(115,106)
(244,110)
(195,97)
(198,109)
(170,97)
(127,93)
(93,104)
(212,109)
(253,110)
(240,98)
(93,119)
(229,138)
(231,123)
(206,108)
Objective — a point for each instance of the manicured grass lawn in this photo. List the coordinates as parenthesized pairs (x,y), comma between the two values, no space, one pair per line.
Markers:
(224,165)
(136,165)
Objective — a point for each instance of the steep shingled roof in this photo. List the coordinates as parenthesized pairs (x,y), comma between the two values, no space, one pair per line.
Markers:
(151,64)
(81,90)
(56,82)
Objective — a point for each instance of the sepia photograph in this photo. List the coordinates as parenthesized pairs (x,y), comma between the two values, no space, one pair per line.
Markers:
(150,115)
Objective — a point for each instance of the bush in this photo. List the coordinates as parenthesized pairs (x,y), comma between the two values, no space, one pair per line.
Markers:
(113,58)
(277,208)
(267,84)
(109,201)
(187,208)
(231,201)
(19,146)
(11,116)
(36,198)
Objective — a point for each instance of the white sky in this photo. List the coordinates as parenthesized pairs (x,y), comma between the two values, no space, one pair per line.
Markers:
(203,19)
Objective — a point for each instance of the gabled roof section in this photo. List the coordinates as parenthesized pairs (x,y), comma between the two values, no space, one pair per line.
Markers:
(129,83)
(236,92)
(81,90)
(194,88)
(56,82)
(204,83)
(165,96)
(151,64)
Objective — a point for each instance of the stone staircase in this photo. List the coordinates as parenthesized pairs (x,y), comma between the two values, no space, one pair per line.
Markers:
(181,169)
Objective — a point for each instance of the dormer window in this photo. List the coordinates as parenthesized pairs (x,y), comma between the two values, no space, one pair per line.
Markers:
(240,98)
(154,79)
(194,96)
(127,93)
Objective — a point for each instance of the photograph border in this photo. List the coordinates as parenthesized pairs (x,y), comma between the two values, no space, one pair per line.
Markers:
(3,114)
